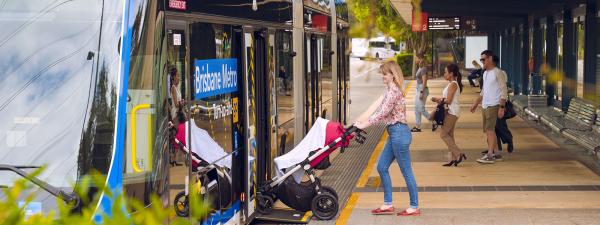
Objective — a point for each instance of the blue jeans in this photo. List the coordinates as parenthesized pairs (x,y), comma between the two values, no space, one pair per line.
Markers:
(397,147)
(420,105)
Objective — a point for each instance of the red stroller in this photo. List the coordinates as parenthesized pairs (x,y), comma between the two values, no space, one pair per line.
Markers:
(311,153)
(212,166)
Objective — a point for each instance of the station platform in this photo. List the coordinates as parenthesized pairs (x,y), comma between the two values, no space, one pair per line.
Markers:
(546,180)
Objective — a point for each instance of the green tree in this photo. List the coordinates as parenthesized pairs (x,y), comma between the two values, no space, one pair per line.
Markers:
(379,15)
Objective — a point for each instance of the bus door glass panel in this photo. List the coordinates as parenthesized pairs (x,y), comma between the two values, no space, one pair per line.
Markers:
(325,78)
(258,110)
(307,82)
(176,75)
(272,78)
(341,83)
(316,79)
(211,122)
(284,87)
(313,59)
(147,137)
(250,87)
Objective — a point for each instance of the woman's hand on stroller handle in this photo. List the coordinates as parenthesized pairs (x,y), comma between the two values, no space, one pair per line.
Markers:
(359,133)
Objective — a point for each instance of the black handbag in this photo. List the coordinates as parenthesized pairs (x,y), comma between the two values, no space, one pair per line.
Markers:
(437,116)
(509,111)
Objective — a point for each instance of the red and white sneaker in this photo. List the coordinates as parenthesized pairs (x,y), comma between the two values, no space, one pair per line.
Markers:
(405,213)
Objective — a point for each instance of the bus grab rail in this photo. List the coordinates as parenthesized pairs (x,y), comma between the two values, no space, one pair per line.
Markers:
(134,135)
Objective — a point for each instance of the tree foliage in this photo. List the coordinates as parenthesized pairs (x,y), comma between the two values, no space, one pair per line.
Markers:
(12,213)
(372,15)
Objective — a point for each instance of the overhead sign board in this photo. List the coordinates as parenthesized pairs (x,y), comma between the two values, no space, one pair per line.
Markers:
(444,23)
(419,22)
(214,77)
(177,4)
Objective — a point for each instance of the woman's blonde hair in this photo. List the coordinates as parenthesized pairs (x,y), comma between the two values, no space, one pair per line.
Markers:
(476,64)
(393,68)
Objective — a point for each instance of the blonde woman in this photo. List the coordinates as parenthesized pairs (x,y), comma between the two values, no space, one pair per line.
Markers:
(392,112)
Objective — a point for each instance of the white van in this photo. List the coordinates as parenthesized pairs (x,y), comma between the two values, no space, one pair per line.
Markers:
(382,48)
(378,48)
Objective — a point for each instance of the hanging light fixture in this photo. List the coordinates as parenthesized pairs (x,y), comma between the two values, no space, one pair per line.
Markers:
(254,5)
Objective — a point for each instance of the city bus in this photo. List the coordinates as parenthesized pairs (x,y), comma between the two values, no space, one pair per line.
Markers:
(100,85)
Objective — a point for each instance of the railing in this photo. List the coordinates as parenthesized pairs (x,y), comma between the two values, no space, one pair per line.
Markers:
(134,136)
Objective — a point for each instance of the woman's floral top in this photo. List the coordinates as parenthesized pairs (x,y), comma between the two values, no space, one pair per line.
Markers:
(392,108)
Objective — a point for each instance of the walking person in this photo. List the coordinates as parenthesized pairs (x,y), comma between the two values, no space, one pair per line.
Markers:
(421,94)
(392,112)
(503,133)
(450,97)
(492,99)
(284,80)
(475,74)
(177,106)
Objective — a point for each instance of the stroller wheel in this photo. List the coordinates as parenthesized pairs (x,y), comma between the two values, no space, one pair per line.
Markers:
(330,190)
(325,206)
(264,203)
(181,205)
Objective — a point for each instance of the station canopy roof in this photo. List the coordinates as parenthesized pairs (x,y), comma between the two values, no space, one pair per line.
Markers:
(489,15)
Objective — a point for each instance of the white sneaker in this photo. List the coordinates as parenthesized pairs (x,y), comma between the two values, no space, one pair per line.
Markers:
(486,160)
(498,158)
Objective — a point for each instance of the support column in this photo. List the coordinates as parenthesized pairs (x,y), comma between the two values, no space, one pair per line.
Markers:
(525,57)
(504,55)
(515,59)
(551,57)
(510,62)
(491,42)
(537,46)
(591,35)
(569,87)
(334,64)
(298,68)
(494,43)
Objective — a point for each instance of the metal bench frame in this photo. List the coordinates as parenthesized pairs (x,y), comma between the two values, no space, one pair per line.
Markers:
(580,116)
(590,139)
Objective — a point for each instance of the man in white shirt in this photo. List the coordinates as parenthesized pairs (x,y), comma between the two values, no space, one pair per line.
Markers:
(492,99)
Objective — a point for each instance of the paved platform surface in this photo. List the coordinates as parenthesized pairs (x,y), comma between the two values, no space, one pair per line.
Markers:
(545,181)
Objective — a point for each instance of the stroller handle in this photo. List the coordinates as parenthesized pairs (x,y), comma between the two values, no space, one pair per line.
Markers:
(360,138)
(350,130)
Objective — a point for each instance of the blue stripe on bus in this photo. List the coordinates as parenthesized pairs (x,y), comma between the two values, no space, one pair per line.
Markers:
(115,177)
(219,217)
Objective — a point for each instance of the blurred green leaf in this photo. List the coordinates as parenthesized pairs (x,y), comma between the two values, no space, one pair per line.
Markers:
(155,213)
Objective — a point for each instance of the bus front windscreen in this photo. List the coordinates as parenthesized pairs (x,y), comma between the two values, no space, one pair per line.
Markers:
(56,109)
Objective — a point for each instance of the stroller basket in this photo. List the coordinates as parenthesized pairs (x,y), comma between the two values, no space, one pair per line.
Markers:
(295,194)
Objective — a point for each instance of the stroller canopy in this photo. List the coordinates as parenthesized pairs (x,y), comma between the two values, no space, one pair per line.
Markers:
(322,133)
(204,146)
